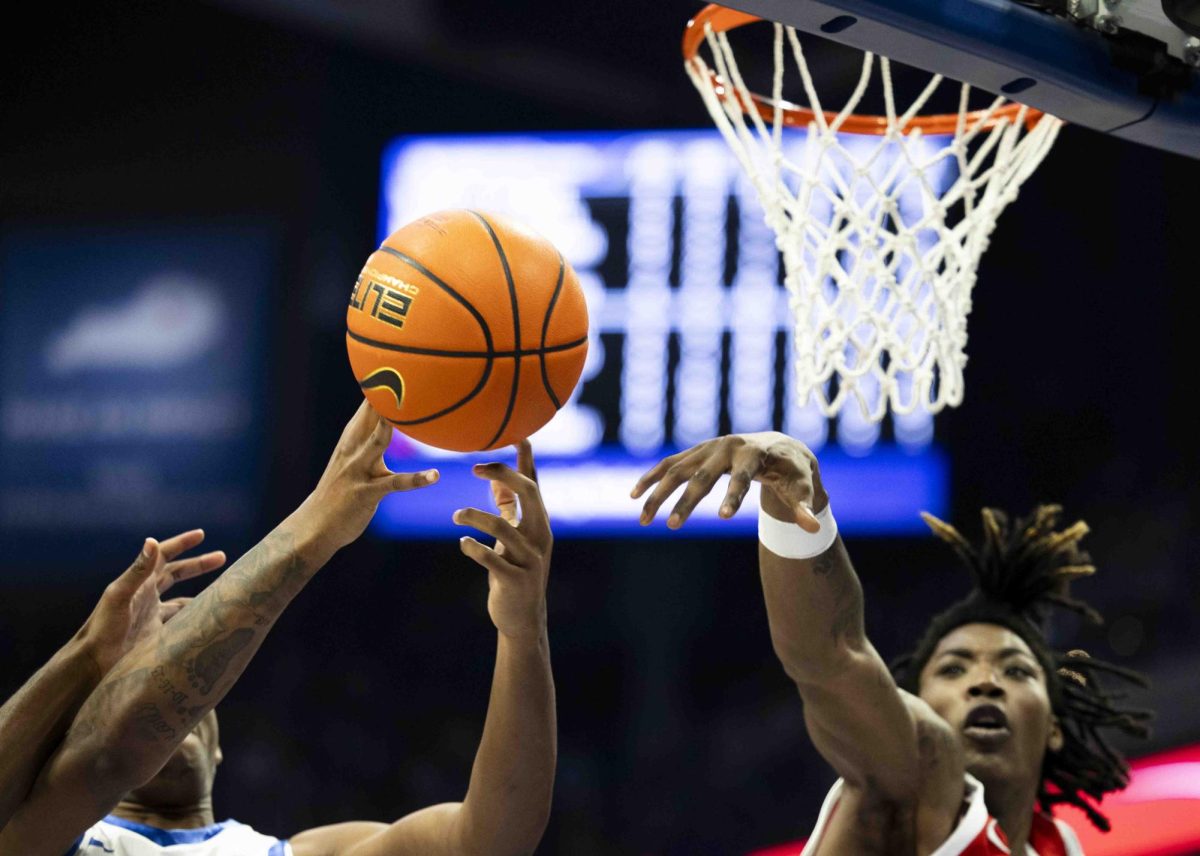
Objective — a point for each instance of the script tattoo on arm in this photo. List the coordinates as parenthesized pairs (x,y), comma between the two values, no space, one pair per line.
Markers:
(149,720)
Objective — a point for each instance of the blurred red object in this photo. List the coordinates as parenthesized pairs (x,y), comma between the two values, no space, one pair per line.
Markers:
(1157,815)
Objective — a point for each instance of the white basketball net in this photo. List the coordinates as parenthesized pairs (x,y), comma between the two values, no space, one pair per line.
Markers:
(879,261)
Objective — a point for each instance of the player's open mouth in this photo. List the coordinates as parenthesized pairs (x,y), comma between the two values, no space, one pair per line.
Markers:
(987,724)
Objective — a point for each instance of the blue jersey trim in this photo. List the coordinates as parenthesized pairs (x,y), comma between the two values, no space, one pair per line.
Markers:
(279,848)
(75,847)
(167,837)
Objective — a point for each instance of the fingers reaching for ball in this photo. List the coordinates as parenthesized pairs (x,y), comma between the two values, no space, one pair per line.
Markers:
(505,499)
(786,469)
(518,562)
(356,479)
(402,482)
(533,512)
(361,424)
(381,436)
(370,435)
(511,542)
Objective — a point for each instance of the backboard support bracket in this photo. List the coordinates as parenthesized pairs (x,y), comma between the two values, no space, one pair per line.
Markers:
(1065,68)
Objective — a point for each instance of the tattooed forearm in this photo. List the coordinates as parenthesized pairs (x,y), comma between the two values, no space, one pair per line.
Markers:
(210,665)
(102,704)
(250,594)
(815,609)
(853,710)
(159,691)
(843,595)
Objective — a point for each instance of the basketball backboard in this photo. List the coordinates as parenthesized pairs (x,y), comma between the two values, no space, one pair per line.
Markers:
(1130,68)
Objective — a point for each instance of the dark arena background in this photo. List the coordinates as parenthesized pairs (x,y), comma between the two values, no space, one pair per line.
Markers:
(187,191)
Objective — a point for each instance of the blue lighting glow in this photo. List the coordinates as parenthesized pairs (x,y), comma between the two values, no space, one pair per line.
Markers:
(588,497)
(691,332)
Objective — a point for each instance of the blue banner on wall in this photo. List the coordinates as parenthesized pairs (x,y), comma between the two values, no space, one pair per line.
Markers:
(131,379)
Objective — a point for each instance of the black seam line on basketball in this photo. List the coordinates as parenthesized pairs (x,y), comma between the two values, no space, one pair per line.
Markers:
(487,371)
(545,326)
(478,355)
(487,336)
(436,280)
(516,312)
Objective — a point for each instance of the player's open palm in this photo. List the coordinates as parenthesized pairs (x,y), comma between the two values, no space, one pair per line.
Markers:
(518,565)
(783,466)
(356,478)
(132,609)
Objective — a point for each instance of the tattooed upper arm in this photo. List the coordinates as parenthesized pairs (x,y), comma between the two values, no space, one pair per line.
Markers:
(148,703)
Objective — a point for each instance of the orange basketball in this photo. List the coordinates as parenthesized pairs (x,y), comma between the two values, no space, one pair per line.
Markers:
(466,330)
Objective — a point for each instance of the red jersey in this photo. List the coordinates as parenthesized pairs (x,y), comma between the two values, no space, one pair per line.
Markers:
(977,833)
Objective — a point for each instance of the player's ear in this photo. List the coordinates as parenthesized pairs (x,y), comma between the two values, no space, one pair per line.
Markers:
(1054,741)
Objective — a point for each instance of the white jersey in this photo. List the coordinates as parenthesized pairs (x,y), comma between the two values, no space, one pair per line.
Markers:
(115,836)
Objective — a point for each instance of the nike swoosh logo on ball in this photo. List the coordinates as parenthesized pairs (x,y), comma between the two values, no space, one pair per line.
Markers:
(385,378)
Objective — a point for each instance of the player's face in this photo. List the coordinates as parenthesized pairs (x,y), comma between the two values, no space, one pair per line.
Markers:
(188,776)
(985,682)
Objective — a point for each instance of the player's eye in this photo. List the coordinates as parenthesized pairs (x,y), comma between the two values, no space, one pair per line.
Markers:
(951,670)
(1019,672)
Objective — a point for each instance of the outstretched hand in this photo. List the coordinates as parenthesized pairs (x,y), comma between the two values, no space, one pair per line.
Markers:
(356,479)
(518,565)
(785,467)
(132,609)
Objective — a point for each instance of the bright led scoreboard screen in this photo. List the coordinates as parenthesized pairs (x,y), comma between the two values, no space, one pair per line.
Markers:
(690,332)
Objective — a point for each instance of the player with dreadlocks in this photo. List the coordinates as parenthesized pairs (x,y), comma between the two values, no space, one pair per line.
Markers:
(982,728)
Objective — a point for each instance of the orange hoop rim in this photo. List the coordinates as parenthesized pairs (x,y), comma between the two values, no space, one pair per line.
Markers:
(722,19)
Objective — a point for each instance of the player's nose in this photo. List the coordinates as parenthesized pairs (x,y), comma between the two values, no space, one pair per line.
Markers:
(985,686)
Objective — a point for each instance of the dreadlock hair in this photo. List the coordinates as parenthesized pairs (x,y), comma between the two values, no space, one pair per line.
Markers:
(1021,571)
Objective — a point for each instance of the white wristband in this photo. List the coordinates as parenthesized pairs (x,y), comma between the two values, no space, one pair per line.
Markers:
(790,541)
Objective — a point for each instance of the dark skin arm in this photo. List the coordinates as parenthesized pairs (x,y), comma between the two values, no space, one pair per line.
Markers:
(507,804)
(857,717)
(143,709)
(34,721)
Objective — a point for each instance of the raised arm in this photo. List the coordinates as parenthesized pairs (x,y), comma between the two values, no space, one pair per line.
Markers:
(34,720)
(507,804)
(147,704)
(857,717)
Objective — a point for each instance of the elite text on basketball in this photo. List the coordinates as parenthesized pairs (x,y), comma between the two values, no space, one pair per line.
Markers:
(388,302)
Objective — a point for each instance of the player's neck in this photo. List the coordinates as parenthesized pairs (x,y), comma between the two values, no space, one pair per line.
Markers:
(1012,804)
(193,816)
